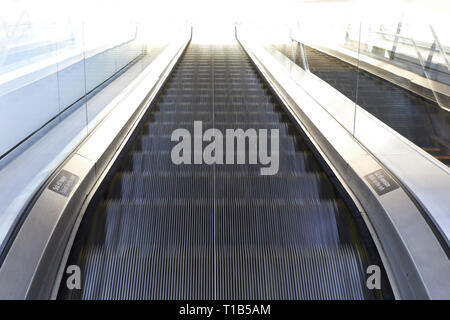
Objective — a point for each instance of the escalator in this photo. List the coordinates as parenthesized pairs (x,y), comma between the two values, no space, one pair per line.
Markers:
(158,230)
(419,120)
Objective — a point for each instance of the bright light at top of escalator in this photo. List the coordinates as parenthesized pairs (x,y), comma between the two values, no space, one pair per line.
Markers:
(214,18)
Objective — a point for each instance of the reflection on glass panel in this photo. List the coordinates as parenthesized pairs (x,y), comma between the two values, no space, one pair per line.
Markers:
(389,58)
(41,71)
(71,72)
(316,43)
(28,49)
(404,79)
(42,113)
(61,71)
(110,50)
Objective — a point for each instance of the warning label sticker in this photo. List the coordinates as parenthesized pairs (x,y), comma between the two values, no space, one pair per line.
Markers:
(63,183)
(381,182)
